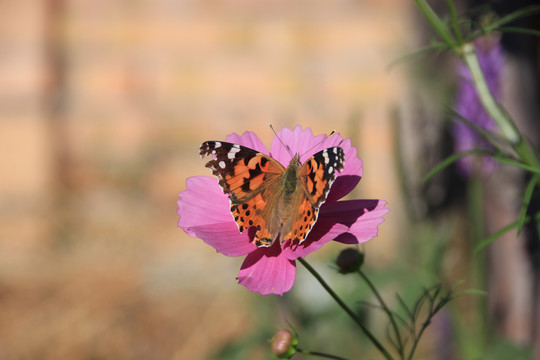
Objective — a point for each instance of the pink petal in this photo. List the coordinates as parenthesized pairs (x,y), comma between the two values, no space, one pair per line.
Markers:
(248,139)
(298,141)
(355,212)
(204,213)
(350,222)
(366,227)
(266,271)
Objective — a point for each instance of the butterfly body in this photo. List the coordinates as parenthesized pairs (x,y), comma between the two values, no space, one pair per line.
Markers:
(277,202)
(290,177)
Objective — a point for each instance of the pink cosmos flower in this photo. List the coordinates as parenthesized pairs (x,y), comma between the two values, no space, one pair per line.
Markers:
(205,213)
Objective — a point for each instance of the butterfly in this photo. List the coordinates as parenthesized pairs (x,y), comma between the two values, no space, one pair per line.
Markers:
(277,202)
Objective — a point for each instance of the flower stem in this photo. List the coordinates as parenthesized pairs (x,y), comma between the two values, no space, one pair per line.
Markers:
(494,109)
(386,309)
(320,354)
(344,306)
(436,22)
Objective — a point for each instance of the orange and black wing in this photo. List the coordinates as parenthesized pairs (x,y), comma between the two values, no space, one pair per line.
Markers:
(316,175)
(249,178)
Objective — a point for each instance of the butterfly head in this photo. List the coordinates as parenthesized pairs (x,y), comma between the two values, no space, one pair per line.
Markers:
(295,161)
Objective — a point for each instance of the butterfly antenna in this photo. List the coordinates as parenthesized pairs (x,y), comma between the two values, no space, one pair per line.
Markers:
(282,143)
(319,143)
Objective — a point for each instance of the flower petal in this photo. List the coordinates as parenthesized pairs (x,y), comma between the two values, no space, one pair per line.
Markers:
(248,139)
(204,213)
(365,227)
(298,141)
(350,222)
(267,271)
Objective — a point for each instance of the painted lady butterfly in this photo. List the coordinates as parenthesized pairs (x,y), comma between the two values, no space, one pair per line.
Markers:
(274,200)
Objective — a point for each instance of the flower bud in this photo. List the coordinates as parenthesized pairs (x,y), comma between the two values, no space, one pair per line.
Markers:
(283,344)
(349,260)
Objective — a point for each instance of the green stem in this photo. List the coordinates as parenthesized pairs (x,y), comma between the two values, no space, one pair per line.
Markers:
(386,309)
(494,109)
(344,306)
(416,341)
(477,319)
(436,22)
(320,354)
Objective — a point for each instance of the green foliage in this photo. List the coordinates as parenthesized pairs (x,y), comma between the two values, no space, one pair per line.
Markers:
(511,147)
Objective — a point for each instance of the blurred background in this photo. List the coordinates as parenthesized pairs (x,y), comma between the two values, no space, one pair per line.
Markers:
(103,105)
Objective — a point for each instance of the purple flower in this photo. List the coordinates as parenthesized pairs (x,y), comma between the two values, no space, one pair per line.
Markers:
(205,213)
(468,105)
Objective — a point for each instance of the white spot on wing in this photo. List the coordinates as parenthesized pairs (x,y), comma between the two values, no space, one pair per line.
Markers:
(231,154)
(217,144)
(326,157)
(222,164)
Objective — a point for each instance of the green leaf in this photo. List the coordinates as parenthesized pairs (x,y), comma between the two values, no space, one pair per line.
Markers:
(487,136)
(436,22)
(515,163)
(455,22)
(469,292)
(436,46)
(524,12)
(456,285)
(518,30)
(497,24)
(494,236)
(526,201)
(488,240)
(453,158)
(405,307)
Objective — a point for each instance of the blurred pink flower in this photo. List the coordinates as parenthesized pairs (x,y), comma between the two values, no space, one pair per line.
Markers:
(205,213)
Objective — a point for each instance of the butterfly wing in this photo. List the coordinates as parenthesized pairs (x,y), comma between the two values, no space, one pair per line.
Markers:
(251,180)
(316,177)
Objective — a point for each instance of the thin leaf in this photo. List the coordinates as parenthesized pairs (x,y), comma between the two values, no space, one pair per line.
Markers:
(494,236)
(512,29)
(404,306)
(395,345)
(411,323)
(526,11)
(456,284)
(418,305)
(497,25)
(370,305)
(511,162)
(487,136)
(435,46)
(452,159)
(469,292)
(526,201)
(455,22)
(400,318)
(436,22)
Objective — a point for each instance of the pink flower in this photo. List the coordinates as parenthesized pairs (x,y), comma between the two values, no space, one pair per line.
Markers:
(205,213)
